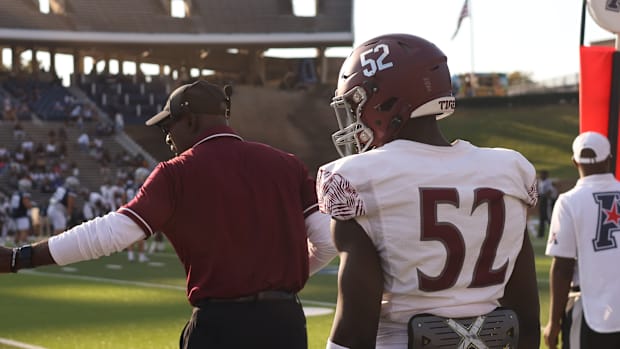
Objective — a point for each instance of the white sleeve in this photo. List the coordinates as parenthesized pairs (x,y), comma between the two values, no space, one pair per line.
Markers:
(95,238)
(321,248)
(562,236)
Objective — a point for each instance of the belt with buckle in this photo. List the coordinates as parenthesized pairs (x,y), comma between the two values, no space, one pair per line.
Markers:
(260,296)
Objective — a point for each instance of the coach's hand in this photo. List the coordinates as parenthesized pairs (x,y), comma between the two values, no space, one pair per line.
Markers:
(5,259)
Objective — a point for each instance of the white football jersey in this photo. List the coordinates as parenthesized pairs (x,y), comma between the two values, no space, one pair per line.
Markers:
(447,222)
(583,224)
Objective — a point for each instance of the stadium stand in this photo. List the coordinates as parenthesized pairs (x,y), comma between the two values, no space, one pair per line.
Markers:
(41,120)
(26,15)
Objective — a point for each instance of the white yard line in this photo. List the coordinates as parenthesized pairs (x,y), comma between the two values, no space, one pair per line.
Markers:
(137,283)
(104,280)
(17,344)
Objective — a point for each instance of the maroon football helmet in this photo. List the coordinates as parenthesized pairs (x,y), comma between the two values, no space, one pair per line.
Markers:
(385,82)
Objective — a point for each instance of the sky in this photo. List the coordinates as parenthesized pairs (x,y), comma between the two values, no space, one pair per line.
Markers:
(536,37)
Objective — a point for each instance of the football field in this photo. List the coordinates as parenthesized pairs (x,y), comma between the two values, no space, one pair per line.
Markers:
(111,303)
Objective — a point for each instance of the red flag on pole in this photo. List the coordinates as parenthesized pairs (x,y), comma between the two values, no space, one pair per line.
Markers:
(464,13)
(595,95)
(594,88)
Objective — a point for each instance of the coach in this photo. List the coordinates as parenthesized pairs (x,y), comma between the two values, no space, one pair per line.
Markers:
(242,217)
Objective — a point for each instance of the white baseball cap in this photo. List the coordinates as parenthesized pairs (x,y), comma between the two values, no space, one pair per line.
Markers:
(594,141)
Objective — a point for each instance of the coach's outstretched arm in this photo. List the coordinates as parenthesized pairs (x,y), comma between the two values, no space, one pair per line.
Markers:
(521,295)
(93,239)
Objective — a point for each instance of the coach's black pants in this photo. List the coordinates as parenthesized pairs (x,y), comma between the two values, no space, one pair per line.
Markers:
(273,324)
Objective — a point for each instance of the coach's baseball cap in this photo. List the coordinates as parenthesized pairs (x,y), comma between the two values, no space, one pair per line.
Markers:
(199,97)
(594,141)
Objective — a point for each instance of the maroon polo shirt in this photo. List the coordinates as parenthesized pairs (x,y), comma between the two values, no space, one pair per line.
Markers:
(234,212)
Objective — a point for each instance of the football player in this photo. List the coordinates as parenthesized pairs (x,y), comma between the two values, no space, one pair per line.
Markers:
(62,203)
(425,228)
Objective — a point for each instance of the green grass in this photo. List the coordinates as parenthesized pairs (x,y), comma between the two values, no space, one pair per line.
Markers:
(145,308)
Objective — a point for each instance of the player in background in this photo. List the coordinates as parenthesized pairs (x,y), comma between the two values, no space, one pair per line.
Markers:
(20,206)
(139,176)
(94,206)
(62,204)
(582,239)
(547,193)
(422,225)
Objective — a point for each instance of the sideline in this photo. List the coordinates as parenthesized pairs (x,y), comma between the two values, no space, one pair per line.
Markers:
(17,344)
(137,283)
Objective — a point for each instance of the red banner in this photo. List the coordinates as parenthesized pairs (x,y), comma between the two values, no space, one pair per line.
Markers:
(595,93)
(594,88)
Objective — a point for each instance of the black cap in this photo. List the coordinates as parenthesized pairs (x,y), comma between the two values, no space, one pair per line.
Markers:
(200,97)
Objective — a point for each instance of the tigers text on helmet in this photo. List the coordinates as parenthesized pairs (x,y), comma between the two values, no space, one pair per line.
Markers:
(385,82)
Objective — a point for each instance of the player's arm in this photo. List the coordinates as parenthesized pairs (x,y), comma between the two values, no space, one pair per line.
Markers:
(93,239)
(70,205)
(560,276)
(360,286)
(521,295)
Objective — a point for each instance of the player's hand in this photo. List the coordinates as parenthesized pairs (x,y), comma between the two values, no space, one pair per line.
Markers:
(551,333)
(5,259)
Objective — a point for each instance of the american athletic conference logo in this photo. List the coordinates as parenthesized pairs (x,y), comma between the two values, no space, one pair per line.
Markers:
(613,5)
(608,220)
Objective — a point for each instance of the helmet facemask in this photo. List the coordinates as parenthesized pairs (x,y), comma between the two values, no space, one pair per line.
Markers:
(353,136)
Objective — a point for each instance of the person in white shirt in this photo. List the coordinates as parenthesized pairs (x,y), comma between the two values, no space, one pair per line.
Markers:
(422,225)
(581,237)
(546,194)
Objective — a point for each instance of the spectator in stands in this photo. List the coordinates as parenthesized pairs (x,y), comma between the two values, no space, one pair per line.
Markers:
(18,132)
(75,170)
(80,123)
(83,142)
(62,133)
(50,149)
(39,149)
(119,122)
(104,163)
(23,111)
(88,113)
(10,114)
(75,113)
(62,149)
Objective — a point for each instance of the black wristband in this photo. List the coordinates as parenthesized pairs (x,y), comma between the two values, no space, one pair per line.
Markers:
(21,258)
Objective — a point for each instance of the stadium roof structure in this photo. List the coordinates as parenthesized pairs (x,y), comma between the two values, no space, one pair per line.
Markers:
(144,30)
